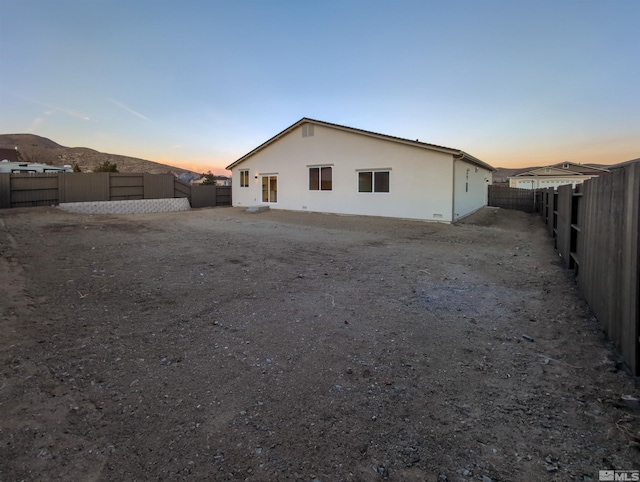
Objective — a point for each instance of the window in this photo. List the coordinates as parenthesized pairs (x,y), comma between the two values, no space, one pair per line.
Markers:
(244,178)
(373,181)
(320,178)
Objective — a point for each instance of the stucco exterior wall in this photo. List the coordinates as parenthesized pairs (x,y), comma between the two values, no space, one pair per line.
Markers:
(420,180)
(470,190)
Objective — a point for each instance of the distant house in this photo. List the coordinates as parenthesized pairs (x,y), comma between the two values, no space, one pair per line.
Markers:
(219,180)
(322,167)
(555,175)
(223,181)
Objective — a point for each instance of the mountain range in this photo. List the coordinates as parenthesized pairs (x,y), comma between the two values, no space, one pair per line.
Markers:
(33,148)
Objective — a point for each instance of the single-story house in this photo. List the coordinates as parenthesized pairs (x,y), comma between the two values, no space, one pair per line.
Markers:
(322,167)
(555,175)
(223,181)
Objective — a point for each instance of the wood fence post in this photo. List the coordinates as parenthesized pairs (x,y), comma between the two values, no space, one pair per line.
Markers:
(5,190)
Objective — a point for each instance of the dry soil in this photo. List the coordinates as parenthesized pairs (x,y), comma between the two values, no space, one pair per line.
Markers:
(220,345)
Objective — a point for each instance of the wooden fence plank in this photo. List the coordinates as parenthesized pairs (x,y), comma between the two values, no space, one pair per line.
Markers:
(181,189)
(5,190)
(512,198)
(597,224)
(84,187)
(158,186)
(33,189)
(203,195)
(563,227)
(39,189)
(223,196)
(125,186)
(551,211)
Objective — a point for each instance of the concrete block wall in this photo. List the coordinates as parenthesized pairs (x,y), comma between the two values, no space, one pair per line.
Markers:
(140,206)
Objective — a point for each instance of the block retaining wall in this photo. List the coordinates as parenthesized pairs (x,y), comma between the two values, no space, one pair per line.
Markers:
(140,206)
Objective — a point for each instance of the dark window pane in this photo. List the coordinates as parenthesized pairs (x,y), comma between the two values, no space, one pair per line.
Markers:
(381,181)
(273,189)
(314,178)
(364,181)
(326,179)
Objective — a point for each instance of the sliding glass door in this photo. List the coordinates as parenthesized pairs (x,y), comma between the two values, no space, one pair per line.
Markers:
(269,189)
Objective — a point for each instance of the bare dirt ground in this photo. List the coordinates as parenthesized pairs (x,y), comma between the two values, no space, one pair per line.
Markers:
(220,345)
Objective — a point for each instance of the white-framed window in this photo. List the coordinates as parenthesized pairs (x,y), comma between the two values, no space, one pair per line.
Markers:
(373,181)
(320,178)
(244,178)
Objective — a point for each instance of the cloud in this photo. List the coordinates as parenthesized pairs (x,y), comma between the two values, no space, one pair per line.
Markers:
(34,125)
(128,109)
(54,108)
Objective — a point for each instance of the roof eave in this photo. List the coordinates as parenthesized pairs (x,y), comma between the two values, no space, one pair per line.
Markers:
(455,152)
(463,156)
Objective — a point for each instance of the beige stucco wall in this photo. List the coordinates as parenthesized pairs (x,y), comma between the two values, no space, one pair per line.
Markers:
(420,181)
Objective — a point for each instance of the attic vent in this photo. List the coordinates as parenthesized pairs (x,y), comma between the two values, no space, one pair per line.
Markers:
(307,130)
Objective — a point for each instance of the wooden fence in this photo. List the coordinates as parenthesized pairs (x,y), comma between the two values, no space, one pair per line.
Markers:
(512,198)
(20,190)
(595,228)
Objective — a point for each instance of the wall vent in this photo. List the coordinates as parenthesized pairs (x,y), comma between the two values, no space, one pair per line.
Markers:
(307,130)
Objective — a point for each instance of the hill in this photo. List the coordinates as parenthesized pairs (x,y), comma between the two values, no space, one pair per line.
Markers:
(32,148)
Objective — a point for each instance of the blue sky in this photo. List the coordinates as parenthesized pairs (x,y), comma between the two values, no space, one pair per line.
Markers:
(197,84)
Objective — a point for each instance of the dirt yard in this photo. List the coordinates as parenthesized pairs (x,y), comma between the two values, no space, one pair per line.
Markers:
(220,345)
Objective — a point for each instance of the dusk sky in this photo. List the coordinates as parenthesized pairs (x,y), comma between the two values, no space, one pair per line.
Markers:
(197,84)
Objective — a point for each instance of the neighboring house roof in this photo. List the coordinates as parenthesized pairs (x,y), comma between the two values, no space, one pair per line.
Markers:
(456,152)
(580,168)
(563,169)
(10,155)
